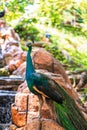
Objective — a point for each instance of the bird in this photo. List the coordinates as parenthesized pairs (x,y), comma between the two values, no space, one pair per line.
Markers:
(43,86)
(40,84)
(47,34)
(2,13)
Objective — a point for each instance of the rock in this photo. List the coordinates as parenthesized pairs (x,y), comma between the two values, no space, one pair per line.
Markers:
(21,101)
(19,55)
(47,124)
(8,34)
(33,125)
(8,53)
(13,127)
(2,60)
(50,125)
(10,83)
(18,118)
(25,111)
(27,103)
(44,60)
(20,70)
(15,59)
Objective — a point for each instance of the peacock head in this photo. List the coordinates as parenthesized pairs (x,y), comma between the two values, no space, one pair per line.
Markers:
(29,45)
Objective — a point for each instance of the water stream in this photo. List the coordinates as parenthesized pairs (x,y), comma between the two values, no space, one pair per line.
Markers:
(6,99)
(8,89)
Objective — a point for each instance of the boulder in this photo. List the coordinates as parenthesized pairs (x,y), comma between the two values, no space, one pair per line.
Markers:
(2,59)
(14,58)
(42,59)
(25,111)
(20,70)
(10,83)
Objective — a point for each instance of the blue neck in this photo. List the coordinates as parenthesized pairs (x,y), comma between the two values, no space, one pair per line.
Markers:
(29,65)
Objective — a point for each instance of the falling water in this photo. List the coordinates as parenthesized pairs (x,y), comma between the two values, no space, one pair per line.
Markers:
(6,99)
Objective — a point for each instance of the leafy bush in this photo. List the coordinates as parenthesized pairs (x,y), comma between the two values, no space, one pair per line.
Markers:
(26,29)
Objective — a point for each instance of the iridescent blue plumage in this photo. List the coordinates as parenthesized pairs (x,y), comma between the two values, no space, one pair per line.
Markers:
(41,84)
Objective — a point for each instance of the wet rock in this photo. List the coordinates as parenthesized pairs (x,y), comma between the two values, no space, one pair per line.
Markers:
(10,83)
(6,99)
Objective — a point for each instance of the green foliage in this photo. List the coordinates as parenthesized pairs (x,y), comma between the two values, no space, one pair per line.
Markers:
(84,94)
(53,9)
(15,8)
(53,49)
(4,72)
(60,14)
(26,29)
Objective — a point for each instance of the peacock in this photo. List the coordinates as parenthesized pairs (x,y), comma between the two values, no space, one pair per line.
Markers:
(41,85)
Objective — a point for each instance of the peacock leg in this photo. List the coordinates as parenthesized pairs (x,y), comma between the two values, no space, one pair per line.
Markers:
(41,104)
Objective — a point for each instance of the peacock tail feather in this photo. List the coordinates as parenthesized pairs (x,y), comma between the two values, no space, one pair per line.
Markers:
(69,114)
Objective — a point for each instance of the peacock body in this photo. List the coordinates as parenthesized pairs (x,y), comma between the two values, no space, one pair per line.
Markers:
(70,116)
(40,84)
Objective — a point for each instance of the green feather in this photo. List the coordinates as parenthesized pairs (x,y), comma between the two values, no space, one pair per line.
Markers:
(62,113)
(69,114)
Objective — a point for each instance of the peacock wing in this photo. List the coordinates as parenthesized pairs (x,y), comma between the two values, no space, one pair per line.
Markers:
(46,87)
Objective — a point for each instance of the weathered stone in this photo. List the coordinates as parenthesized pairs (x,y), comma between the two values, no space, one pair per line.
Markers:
(44,60)
(21,101)
(50,125)
(33,125)
(18,118)
(2,60)
(26,101)
(22,128)
(7,57)
(33,107)
(23,88)
(14,57)
(13,127)
(10,51)
(20,70)
(48,110)
(11,67)
(20,55)
(68,88)
(17,59)
(11,80)
(33,103)
(45,124)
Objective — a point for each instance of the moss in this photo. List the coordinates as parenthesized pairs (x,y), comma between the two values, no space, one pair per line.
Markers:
(4,72)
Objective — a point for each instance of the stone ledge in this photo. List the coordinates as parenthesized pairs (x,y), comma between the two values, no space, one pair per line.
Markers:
(37,124)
